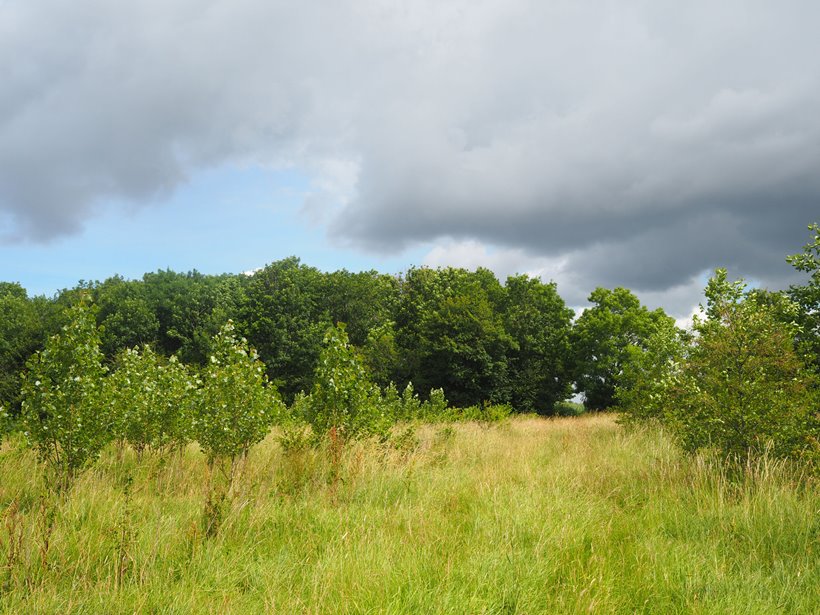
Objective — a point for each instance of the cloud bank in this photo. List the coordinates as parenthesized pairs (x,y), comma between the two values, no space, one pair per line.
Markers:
(635,143)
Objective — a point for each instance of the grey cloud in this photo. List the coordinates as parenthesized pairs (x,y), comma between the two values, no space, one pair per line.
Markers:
(642,143)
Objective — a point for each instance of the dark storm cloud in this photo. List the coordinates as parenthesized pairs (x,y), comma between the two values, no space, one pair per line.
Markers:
(636,143)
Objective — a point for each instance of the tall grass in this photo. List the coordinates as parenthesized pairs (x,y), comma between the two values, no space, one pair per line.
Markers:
(530,516)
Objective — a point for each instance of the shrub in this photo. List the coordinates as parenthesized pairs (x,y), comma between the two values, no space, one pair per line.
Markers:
(485,413)
(63,413)
(343,402)
(410,404)
(295,435)
(435,408)
(738,386)
(151,399)
(235,407)
(568,408)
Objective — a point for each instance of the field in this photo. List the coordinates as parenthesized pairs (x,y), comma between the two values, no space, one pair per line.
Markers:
(571,515)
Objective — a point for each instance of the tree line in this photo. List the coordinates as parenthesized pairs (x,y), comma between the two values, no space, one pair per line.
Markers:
(461,332)
(449,328)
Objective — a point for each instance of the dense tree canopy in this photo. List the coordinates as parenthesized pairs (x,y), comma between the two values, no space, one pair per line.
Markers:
(601,338)
(25,324)
(539,324)
(448,328)
(451,334)
(284,317)
(156,361)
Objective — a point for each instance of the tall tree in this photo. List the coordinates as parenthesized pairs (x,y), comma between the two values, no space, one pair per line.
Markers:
(25,324)
(539,322)
(125,315)
(190,308)
(363,301)
(283,316)
(451,333)
(601,338)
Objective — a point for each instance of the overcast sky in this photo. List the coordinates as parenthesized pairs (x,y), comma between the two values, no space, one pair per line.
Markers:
(635,143)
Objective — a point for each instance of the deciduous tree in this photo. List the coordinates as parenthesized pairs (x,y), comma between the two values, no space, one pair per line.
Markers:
(601,339)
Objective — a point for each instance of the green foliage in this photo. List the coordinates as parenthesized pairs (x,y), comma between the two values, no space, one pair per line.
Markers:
(450,333)
(406,439)
(6,424)
(601,339)
(343,399)
(283,315)
(539,322)
(807,296)
(435,406)
(363,301)
(125,315)
(391,402)
(151,399)
(190,309)
(483,413)
(380,354)
(235,407)
(650,374)
(63,413)
(22,332)
(295,436)
(738,386)
(744,388)
(410,406)
(569,408)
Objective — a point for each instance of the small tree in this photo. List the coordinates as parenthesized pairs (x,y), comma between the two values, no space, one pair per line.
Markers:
(739,387)
(63,413)
(807,295)
(235,407)
(745,389)
(151,399)
(343,402)
(601,339)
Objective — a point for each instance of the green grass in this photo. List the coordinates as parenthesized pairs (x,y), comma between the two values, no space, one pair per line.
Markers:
(530,516)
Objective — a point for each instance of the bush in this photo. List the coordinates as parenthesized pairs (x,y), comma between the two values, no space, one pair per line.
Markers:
(436,405)
(410,404)
(63,413)
(738,386)
(151,399)
(235,407)
(343,402)
(568,408)
(485,413)
(296,434)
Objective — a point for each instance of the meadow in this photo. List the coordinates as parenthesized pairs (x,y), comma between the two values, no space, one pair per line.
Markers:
(529,515)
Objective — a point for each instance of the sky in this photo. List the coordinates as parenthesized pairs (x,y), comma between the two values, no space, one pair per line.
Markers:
(636,143)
